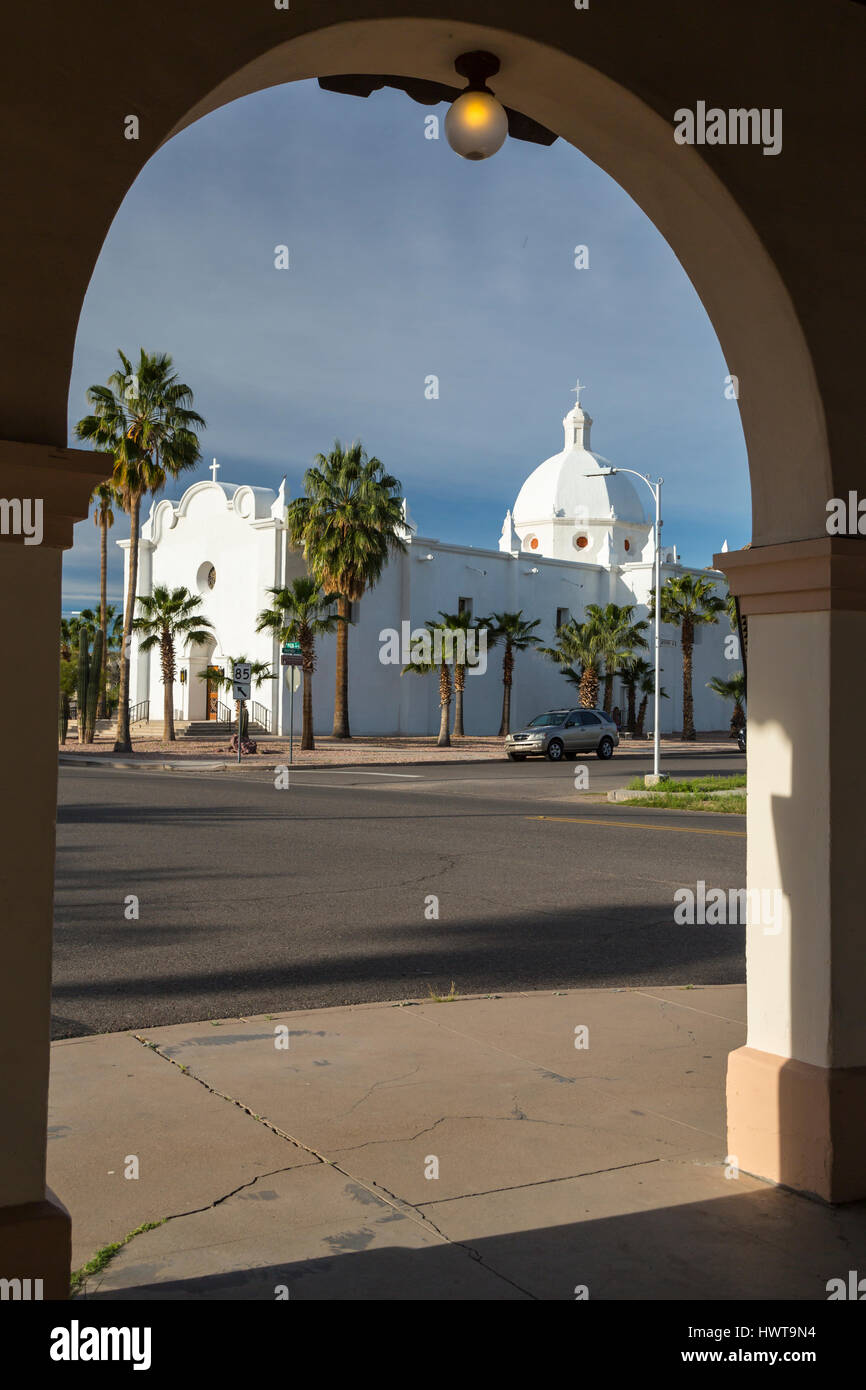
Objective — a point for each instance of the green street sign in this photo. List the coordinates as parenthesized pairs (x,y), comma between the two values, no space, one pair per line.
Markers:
(292,648)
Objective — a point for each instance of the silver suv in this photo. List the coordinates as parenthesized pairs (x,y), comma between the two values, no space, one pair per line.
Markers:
(563,733)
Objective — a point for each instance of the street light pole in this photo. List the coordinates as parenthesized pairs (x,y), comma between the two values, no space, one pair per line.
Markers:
(657,495)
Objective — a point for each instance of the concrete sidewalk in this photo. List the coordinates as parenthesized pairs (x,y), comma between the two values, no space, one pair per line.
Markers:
(454,1150)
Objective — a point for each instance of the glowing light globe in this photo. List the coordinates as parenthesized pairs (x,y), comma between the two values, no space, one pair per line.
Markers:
(476,125)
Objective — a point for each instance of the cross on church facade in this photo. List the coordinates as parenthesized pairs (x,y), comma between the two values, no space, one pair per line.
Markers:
(213,470)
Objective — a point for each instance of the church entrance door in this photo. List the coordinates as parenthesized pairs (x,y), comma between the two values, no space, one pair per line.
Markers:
(214,673)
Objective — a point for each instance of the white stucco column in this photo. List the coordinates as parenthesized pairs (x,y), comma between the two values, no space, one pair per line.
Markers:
(797,1090)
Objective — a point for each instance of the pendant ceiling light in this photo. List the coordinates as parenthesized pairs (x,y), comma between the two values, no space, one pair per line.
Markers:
(476,124)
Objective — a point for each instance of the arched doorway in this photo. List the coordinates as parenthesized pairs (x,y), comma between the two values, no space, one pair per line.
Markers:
(609,83)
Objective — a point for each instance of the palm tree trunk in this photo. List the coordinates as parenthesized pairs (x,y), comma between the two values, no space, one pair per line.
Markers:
(608,691)
(444,739)
(307,721)
(588,687)
(507,670)
(641,716)
(167,691)
(630,717)
(459,685)
(688,702)
(341,692)
(122,740)
(103,615)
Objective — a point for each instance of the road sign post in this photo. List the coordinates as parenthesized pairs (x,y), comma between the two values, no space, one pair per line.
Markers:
(291,657)
(242,691)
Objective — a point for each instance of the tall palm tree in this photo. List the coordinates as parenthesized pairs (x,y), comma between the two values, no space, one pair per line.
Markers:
(422,666)
(689,601)
(732,689)
(584,644)
(166,615)
(518,636)
(622,637)
(300,613)
(102,497)
(144,419)
(348,525)
(633,671)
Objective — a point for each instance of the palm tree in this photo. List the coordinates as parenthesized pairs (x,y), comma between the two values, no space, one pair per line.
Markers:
(349,525)
(633,671)
(458,623)
(689,601)
(583,643)
(169,614)
(102,496)
(300,613)
(646,685)
(144,419)
(422,666)
(621,638)
(259,671)
(518,636)
(732,689)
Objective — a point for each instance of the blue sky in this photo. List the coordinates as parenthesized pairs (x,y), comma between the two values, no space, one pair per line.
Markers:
(407,261)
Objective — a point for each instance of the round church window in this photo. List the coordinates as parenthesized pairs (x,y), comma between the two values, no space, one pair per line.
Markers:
(532,542)
(206,577)
(581,542)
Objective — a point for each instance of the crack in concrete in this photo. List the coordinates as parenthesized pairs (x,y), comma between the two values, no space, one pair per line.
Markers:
(543,1182)
(407,1209)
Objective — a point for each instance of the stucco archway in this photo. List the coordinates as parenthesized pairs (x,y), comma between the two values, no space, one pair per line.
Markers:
(609,80)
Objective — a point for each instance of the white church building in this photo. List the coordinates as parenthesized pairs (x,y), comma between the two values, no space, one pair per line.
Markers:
(576,535)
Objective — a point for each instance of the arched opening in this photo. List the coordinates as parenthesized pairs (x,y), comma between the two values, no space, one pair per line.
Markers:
(762,317)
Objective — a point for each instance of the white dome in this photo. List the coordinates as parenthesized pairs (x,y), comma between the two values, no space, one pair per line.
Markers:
(558,487)
(570,509)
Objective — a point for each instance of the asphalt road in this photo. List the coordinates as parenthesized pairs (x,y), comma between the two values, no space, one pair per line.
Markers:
(253,899)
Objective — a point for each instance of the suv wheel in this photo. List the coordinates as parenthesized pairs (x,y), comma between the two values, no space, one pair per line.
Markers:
(555,750)
(605,748)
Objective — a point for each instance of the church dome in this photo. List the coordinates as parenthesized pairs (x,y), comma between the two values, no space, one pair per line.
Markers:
(559,488)
(569,508)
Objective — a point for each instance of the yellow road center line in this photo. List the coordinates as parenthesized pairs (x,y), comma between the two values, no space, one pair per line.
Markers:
(641,825)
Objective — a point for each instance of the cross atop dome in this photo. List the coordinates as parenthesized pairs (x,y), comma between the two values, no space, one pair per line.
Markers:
(213,470)
(577,388)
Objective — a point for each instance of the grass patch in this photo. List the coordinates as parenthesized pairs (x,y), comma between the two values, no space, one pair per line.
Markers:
(442,998)
(102,1259)
(694,784)
(732,805)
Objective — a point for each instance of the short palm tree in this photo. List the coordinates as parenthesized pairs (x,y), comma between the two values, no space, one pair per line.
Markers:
(349,524)
(300,613)
(518,636)
(646,685)
(633,671)
(459,623)
(144,420)
(583,644)
(622,637)
(260,671)
(166,616)
(103,495)
(421,666)
(732,689)
(689,601)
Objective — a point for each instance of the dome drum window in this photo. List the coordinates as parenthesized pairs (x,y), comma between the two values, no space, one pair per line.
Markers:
(581,541)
